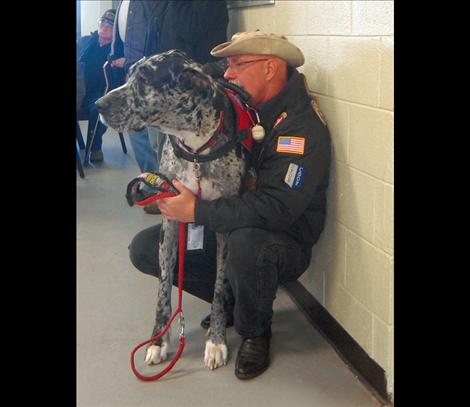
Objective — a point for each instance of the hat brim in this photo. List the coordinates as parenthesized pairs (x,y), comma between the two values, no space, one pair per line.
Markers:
(261,46)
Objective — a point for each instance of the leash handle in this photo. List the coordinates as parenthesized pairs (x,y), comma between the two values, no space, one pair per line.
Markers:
(179,311)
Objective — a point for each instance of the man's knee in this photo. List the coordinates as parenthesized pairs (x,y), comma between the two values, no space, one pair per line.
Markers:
(143,251)
(244,247)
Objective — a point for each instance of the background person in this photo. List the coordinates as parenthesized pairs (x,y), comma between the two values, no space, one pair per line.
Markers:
(92,53)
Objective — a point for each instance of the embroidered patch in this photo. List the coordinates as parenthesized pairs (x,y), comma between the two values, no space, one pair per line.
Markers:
(288,144)
(295,176)
(280,119)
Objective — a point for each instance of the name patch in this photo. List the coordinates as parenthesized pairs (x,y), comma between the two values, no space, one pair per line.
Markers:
(295,176)
(290,144)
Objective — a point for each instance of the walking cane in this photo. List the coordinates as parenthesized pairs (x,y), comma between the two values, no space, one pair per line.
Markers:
(88,149)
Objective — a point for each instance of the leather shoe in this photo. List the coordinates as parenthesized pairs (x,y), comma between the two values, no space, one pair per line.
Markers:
(96,156)
(206,322)
(253,356)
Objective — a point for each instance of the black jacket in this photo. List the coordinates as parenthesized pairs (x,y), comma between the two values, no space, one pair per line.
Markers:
(290,192)
(158,26)
(194,27)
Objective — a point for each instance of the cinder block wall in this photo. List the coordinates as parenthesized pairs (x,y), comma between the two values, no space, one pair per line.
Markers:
(348,46)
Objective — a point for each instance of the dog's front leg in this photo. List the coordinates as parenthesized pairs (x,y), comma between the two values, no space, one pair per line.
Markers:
(216,352)
(157,351)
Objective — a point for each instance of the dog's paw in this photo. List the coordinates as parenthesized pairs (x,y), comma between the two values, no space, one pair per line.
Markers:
(215,355)
(156,354)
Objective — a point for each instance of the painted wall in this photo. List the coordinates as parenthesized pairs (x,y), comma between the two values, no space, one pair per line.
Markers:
(348,46)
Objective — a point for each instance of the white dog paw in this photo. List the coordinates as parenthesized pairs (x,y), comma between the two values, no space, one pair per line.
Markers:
(156,354)
(215,355)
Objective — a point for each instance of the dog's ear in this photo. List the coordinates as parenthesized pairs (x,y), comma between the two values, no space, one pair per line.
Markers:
(215,69)
(194,79)
(144,72)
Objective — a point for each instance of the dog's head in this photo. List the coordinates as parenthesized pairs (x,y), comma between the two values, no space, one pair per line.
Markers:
(168,91)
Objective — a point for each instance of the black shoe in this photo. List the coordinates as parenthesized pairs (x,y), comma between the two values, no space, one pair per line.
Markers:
(206,322)
(96,156)
(253,356)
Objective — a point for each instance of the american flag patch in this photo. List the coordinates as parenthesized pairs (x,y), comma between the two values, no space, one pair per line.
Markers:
(287,144)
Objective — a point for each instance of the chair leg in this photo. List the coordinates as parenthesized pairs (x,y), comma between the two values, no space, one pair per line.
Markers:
(79,165)
(81,143)
(123,143)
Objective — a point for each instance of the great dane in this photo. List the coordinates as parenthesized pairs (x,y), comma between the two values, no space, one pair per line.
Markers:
(171,92)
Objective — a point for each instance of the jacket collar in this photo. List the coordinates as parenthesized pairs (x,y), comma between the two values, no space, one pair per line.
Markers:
(294,93)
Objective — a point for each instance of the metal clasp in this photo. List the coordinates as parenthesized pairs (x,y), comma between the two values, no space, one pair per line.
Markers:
(181,322)
(197,169)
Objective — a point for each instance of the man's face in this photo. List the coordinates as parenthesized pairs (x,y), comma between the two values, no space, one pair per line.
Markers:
(105,31)
(249,72)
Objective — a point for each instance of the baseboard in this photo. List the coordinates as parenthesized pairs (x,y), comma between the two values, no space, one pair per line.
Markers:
(367,370)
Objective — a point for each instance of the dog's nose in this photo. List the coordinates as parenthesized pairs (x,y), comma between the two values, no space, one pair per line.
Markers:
(101,105)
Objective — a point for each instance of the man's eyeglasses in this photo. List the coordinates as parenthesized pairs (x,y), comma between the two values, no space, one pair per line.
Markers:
(237,66)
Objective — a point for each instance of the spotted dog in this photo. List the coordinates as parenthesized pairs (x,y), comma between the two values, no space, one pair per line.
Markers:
(171,92)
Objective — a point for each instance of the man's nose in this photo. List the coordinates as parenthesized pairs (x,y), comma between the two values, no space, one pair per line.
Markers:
(229,75)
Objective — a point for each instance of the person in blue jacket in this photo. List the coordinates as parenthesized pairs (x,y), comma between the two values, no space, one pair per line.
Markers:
(92,52)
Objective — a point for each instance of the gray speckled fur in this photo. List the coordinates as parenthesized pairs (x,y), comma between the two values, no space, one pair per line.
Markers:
(172,93)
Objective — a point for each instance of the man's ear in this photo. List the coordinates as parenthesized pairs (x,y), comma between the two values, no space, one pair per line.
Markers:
(271,69)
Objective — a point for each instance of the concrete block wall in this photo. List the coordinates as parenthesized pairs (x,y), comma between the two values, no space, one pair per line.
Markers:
(348,46)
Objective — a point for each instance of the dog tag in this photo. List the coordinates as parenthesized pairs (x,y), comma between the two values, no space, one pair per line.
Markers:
(195,240)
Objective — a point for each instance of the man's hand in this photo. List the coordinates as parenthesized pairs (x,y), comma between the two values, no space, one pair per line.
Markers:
(180,207)
(118,63)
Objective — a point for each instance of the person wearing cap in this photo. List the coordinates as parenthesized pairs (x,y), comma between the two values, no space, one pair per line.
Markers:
(279,215)
(92,53)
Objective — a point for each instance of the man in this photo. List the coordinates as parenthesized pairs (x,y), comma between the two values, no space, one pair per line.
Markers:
(146,28)
(92,53)
(273,224)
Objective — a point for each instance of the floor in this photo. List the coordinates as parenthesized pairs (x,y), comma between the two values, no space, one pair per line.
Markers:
(115,312)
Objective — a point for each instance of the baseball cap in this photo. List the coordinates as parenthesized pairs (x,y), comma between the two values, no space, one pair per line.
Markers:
(108,17)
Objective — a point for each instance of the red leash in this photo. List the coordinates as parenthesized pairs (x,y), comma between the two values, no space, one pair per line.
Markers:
(135,196)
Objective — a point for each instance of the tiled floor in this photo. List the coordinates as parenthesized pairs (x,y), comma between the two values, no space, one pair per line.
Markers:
(115,312)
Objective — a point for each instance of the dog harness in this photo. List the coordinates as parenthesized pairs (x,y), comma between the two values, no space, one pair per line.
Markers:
(159,186)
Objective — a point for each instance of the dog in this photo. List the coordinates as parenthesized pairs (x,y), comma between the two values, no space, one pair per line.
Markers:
(172,93)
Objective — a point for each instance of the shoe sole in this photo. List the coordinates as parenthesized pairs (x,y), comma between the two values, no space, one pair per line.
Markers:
(247,376)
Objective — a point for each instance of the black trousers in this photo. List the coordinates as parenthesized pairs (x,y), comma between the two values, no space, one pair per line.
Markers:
(258,261)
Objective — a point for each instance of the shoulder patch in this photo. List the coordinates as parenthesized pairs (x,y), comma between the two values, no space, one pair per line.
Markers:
(316,109)
(290,144)
(295,176)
